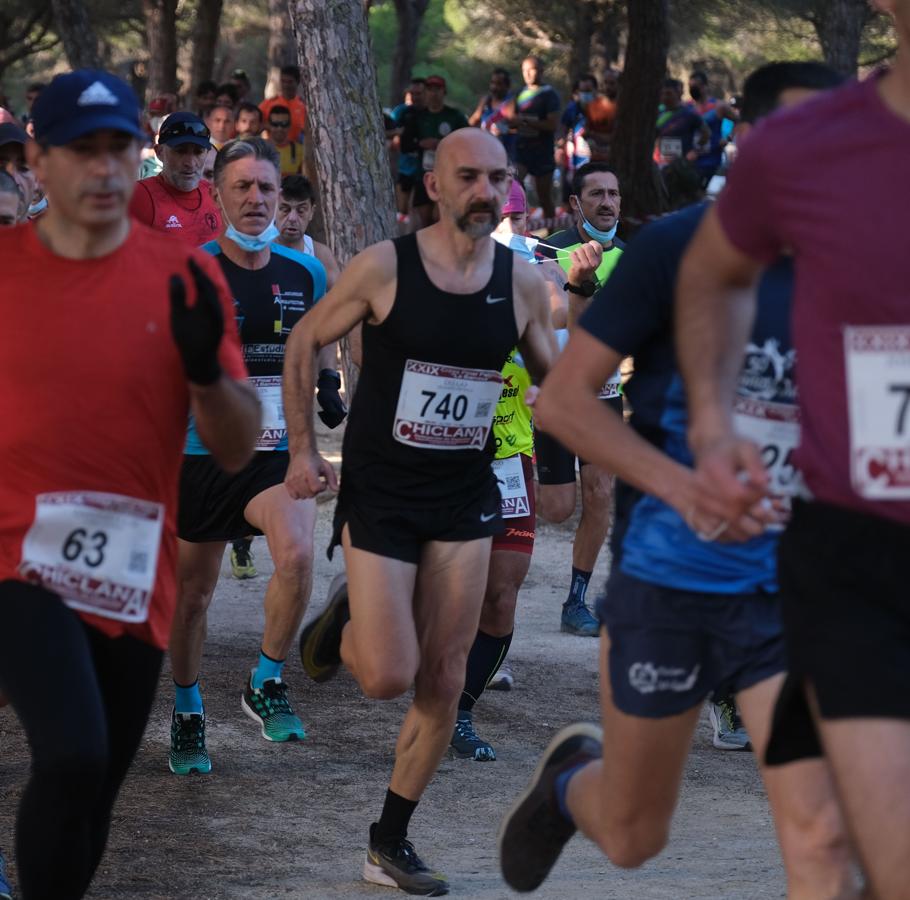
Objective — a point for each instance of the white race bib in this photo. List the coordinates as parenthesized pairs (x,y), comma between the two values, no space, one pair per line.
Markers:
(878,405)
(444,407)
(98,551)
(775,428)
(274,428)
(510,474)
(612,387)
(429,160)
(670,148)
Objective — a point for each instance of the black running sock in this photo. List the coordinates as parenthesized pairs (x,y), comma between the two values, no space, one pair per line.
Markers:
(579,587)
(396,814)
(486,656)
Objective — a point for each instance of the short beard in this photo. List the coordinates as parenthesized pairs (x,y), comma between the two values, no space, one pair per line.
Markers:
(477,229)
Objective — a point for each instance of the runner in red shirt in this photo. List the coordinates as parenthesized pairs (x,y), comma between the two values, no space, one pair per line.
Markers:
(804,183)
(178,200)
(90,453)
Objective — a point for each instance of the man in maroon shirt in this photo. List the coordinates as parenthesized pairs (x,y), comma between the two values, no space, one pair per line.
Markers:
(809,182)
(177,200)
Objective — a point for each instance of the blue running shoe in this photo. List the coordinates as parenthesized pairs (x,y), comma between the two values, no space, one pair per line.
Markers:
(577,619)
(188,753)
(6,892)
(270,707)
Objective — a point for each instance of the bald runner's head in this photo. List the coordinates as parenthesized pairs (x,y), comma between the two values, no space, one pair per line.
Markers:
(470,181)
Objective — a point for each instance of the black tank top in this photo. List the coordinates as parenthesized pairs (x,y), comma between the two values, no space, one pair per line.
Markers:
(420,427)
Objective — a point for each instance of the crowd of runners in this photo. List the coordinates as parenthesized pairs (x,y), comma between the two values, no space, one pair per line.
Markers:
(185,333)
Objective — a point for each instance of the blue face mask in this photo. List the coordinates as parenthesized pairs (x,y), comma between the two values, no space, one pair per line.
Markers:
(585,96)
(604,237)
(252,243)
(518,243)
(38,207)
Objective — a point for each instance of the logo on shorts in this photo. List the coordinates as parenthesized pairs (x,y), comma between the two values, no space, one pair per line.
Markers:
(484,517)
(647,678)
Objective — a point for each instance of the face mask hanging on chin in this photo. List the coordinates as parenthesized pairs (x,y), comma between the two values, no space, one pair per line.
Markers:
(252,243)
(604,237)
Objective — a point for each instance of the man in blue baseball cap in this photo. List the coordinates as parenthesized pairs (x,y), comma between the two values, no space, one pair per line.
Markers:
(136,333)
(177,200)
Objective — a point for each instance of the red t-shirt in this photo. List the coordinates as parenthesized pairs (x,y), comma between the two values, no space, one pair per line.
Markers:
(828,181)
(298,115)
(93,398)
(192,216)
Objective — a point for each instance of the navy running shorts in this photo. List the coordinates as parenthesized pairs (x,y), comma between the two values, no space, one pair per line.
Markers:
(671,649)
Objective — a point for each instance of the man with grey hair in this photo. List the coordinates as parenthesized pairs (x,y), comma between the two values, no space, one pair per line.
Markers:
(272,286)
(12,203)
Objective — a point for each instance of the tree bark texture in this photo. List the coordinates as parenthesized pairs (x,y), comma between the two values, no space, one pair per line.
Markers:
(632,146)
(580,49)
(605,45)
(161,42)
(205,42)
(839,25)
(25,29)
(346,131)
(282,51)
(410,15)
(75,29)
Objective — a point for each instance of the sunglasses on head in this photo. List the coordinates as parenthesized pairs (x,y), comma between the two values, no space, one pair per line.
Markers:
(184,129)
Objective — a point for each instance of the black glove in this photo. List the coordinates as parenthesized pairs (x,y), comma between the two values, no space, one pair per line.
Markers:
(332,410)
(197,329)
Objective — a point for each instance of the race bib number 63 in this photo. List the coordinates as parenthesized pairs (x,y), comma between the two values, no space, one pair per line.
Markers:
(98,551)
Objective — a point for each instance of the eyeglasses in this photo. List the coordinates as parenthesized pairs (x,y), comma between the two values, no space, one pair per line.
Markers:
(284,123)
(183,129)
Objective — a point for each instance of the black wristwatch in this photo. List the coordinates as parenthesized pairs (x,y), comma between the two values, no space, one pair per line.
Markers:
(585,289)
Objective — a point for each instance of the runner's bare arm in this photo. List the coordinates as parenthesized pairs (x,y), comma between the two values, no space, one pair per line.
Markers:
(568,408)
(536,339)
(715,308)
(227,420)
(356,296)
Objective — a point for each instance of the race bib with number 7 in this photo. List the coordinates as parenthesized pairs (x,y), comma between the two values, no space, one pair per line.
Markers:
(445,407)
(98,551)
(878,404)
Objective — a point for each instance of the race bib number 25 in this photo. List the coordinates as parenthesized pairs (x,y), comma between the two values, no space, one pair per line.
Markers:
(878,404)
(98,551)
(446,407)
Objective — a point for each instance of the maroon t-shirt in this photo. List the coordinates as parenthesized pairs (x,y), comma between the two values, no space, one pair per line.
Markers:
(829,181)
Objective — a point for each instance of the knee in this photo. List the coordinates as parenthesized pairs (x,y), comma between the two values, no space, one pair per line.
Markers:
(442,682)
(631,844)
(556,507)
(816,843)
(383,682)
(498,613)
(193,598)
(293,561)
(595,495)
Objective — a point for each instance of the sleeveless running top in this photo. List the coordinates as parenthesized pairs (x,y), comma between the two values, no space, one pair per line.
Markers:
(420,430)
(308,247)
(192,216)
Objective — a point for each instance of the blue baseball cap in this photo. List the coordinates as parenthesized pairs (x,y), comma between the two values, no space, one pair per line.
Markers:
(78,103)
(184,128)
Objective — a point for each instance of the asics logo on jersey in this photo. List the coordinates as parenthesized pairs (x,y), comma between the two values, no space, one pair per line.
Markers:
(487,518)
(96,94)
(173,222)
(494,299)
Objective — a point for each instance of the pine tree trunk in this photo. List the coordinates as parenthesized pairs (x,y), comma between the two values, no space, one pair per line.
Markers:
(205,42)
(80,42)
(348,139)
(580,49)
(281,44)
(839,25)
(161,37)
(410,17)
(633,140)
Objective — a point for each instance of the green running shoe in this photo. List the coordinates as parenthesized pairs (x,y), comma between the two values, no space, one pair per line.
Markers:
(395,863)
(270,707)
(188,753)
(242,565)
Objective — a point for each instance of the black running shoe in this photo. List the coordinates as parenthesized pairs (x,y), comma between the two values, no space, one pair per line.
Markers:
(534,831)
(320,641)
(466,743)
(395,863)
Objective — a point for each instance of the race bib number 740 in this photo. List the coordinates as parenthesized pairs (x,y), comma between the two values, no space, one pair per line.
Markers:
(446,407)
(98,551)
(878,403)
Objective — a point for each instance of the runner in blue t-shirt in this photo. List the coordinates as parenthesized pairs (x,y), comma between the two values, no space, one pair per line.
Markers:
(691,606)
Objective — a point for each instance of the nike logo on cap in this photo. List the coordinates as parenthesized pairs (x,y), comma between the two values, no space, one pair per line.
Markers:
(96,94)
(494,299)
(491,516)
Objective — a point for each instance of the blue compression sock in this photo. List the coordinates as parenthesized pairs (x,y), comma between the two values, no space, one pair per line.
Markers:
(561,787)
(187,699)
(267,668)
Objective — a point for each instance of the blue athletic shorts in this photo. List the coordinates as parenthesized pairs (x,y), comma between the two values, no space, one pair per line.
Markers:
(670,649)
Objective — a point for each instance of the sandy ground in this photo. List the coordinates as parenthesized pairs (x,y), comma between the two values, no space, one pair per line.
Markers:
(291,821)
